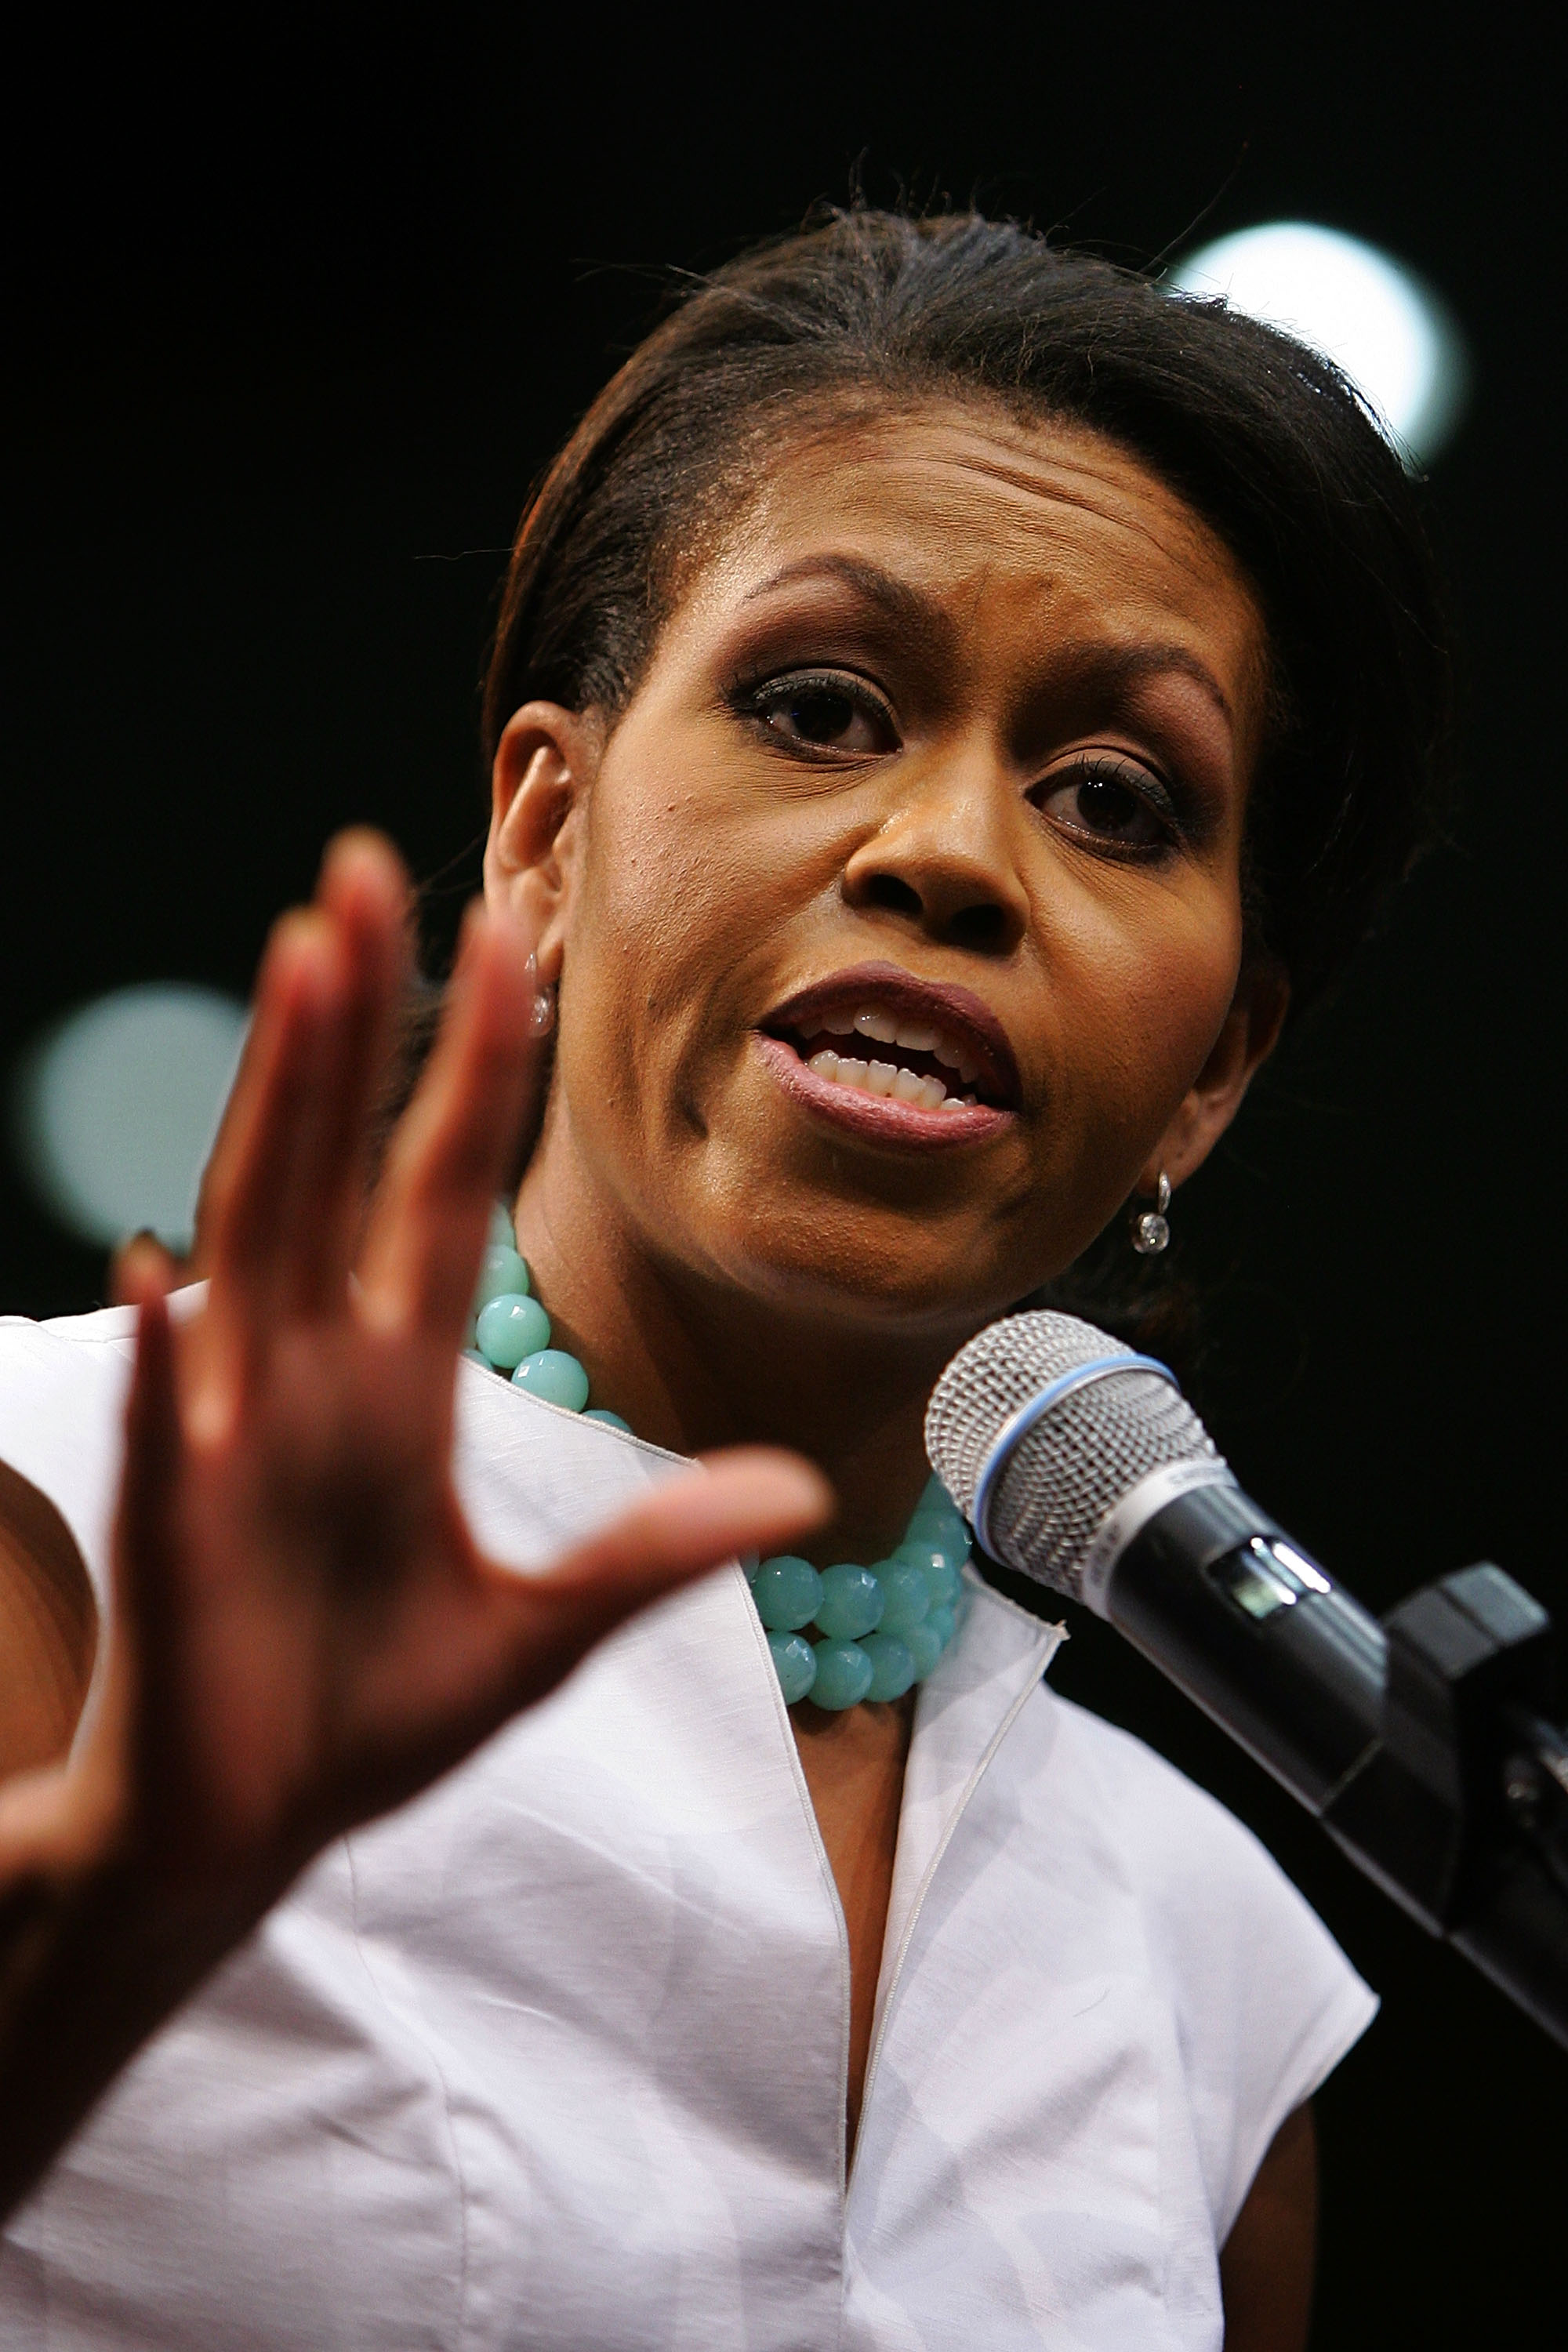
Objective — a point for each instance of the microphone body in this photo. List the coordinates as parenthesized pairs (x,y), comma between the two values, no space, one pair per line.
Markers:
(1216,1595)
(1421,1743)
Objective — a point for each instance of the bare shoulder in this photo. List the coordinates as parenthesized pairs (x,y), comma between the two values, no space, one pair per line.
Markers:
(48,1627)
(62,1404)
(1268,2263)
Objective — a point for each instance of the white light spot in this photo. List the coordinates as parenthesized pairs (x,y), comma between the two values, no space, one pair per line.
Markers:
(1391,334)
(117,1107)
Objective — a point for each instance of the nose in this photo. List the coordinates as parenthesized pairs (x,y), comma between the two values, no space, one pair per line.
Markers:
(944,861)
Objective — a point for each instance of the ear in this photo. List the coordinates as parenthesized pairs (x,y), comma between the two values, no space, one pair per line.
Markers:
(544,766)
(1251,1031)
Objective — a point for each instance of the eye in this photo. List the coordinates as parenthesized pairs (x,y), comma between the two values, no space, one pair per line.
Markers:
(828,711)
(1112,800)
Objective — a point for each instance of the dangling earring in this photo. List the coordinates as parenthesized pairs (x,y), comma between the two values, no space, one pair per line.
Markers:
(1150,1227)
(542,1012)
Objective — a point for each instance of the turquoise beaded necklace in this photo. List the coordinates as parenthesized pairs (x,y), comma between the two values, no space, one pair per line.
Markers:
(838,1635)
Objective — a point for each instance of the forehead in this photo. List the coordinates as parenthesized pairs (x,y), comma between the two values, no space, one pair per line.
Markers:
(1024,532)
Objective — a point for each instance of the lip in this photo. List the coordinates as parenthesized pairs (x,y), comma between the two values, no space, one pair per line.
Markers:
(879,1118)
(941,1002)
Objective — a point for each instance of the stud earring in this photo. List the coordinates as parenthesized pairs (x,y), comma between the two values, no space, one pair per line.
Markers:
(1150,1227)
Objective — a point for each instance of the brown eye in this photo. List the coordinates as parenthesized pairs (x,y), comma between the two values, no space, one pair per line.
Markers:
(1108,801)
(831,713)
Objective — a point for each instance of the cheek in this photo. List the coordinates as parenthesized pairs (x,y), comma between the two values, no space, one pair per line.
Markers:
(657,904)
(659,920)
(1140,1004)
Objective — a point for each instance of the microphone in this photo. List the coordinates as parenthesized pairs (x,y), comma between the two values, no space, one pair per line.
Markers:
(1081,1463)
(1422,1743)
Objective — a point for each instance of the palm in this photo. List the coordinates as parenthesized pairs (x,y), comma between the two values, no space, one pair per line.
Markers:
(312,1634)
(338,1615)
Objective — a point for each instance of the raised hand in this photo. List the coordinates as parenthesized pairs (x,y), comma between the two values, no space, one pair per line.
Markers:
(305,1632)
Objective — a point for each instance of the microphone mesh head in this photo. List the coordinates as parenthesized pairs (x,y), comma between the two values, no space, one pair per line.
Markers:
(1070,1470)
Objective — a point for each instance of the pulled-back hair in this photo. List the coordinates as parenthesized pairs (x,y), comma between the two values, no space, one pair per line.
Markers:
(1267,442)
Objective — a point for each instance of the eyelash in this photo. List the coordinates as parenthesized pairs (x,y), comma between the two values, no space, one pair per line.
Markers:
(755,701)
(1107,768)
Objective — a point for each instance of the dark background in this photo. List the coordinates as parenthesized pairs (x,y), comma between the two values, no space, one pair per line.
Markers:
(296,317)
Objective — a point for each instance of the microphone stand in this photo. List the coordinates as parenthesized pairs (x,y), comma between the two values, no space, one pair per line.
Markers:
(1460,1809)
(1423,1744)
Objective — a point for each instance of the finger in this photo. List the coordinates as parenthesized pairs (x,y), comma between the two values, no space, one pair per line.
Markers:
(451,1154)
(364,892)
(749,1498)
(284,1196)
(144,1539)
(143,1263)
(246,1196)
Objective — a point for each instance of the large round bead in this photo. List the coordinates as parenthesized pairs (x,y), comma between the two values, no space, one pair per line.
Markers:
(851,1603)
(502,1274)
(934,1497)
(943,1583)
(554,1376)
(892,1665)
(501,1226)
(942,1623)
(795,1661)
(787,1591)
(611,1420)
(925,1646)
(510,1327)
(906,1596)
(950,1552)
(937,1517)
(843,1675)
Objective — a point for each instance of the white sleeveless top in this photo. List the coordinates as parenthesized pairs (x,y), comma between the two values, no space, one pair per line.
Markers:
(555,2057)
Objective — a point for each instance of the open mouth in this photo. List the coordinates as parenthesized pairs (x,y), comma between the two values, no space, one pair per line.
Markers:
(878,1056)
(878,1033)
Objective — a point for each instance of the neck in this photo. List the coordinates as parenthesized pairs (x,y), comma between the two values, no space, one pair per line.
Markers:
(694,1362)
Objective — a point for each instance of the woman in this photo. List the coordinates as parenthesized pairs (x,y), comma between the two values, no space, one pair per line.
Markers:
(951,702)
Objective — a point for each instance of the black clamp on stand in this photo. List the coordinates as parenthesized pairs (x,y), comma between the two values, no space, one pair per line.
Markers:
(1424,1744)
(1460,1809)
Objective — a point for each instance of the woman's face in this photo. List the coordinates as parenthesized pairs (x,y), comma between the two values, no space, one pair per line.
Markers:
(898,920)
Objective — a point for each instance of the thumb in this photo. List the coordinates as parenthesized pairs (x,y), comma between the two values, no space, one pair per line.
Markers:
(747,1498)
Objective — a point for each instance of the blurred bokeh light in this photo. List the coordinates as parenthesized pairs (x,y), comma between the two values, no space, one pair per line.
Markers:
(115,1109)
(1389,333)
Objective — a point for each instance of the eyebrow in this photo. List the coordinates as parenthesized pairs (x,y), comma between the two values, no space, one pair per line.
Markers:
(1108,666)
(895,599)
(1130,665)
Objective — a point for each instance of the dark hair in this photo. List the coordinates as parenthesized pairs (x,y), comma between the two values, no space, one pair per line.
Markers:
(1264,439)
